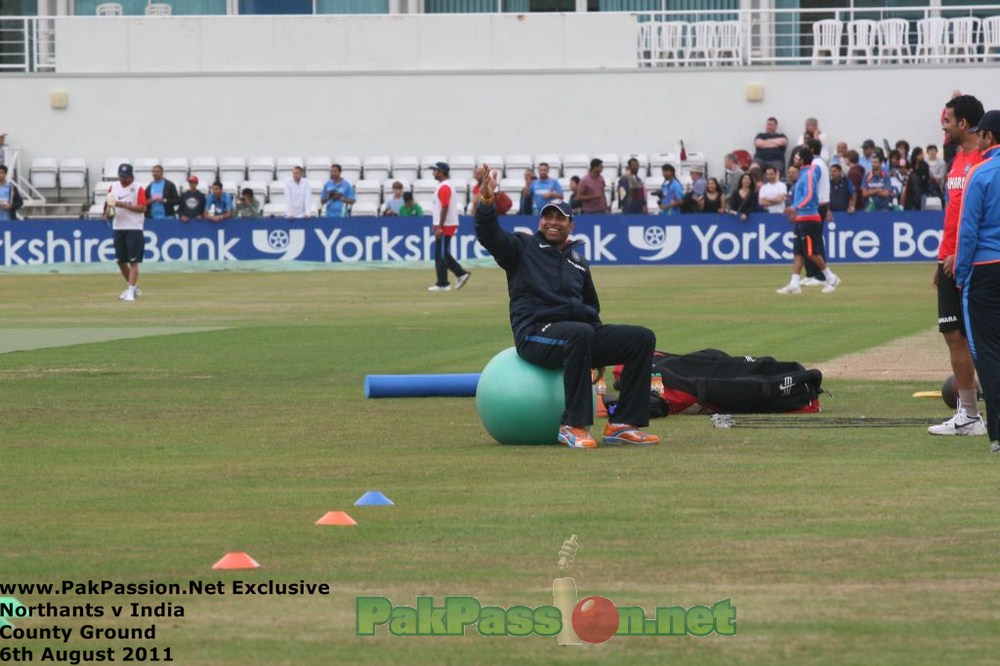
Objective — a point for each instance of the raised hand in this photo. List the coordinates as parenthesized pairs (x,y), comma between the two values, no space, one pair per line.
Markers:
(489,184)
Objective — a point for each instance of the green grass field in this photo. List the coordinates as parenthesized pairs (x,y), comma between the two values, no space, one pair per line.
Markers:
(149,458)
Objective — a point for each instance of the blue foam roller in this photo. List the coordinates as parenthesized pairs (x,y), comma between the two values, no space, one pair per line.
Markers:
(421,386)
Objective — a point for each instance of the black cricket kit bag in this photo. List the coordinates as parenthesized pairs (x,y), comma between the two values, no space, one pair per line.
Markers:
(713,382)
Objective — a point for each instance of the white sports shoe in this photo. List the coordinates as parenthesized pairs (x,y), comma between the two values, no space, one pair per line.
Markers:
(790,289)
(960,424)
(831,285)
(812,282)
(994,447)
(128,297)
(462,279)
(434,287)
(121,296)
(138,292)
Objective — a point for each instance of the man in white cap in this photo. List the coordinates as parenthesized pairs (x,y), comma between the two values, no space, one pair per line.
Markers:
(126,205)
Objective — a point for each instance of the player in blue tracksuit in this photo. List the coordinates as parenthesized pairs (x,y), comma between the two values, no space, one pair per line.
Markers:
(977,267)
(555,316)
(804,213)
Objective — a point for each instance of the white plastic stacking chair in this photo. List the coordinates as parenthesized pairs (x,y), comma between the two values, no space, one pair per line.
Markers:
(963,37)
(158,9)
(670,43)
(862,36)
(932,39)
(892,39)
(826,39)
(991,36)
(729,42)
(109,9)
(702,40)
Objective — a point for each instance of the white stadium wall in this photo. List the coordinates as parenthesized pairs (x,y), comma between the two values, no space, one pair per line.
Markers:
(227,86)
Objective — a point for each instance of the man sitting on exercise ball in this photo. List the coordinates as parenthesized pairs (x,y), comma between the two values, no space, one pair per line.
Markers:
(555,316)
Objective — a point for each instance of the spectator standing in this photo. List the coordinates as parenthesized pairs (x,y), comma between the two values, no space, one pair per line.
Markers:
(911,195)
(918,164)
(445,220)
(526,205)
(591,190)
(218,205)
(771,194)
(555,318)
(192,202)
(743,200)
(298,196)
(631,189)
(977,267)
(574,187)
(410,208)
(770,146)
(877,187)
(10,198)
(544,189)
(733,174)
(337,195)
(126,205)
(671,192)
(855,173)
(812,130)
(838,157)
(161,195)
(694,199)
(961,114)
(938,167)
(3,147)
(247,206)
(714,200)
(865,159)
(843,196)
(804,213)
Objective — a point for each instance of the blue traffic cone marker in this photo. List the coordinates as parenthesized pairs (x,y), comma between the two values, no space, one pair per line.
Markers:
(11,607)
(374,498)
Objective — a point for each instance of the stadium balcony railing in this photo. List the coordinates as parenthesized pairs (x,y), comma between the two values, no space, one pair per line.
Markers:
(711,37)
(894,36)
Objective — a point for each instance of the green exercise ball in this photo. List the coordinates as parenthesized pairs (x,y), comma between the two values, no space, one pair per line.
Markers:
(519,402)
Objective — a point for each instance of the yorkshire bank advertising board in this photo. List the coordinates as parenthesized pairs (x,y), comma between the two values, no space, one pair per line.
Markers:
(609,240)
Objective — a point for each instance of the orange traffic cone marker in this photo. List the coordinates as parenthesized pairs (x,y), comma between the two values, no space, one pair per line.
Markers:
(236,561)
(336,518)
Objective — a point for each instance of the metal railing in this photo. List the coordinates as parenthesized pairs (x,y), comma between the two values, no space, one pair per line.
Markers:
(714,37)
(834,36)
(27,44)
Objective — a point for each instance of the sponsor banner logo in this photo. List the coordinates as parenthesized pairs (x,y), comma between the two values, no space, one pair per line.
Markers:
(606,239)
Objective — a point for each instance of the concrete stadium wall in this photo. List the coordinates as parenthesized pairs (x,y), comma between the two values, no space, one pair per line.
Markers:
(540,91)
(345,43)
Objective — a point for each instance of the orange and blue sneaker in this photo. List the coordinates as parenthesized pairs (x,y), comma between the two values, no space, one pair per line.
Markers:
(627,435)
(576,438)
